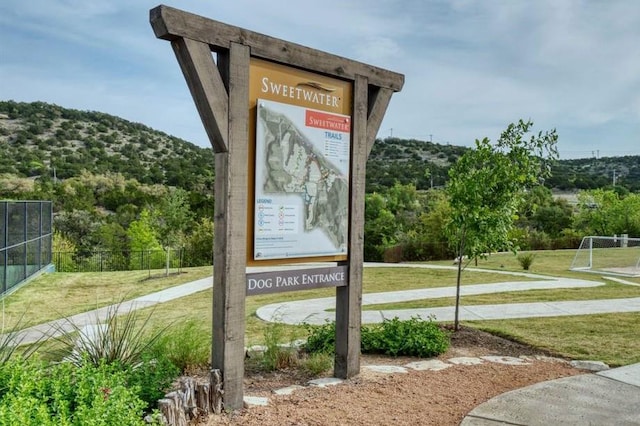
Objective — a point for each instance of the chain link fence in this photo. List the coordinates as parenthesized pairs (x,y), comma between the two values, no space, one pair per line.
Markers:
(25,240)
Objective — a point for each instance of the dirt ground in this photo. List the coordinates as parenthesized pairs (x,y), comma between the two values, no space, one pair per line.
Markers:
(418,397)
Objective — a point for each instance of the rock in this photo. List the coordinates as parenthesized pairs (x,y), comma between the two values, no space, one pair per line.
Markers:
(508,360)
(324,382)
(387,369)
(589,365)
(432,365)
(288,390)
(465,360)
(255,401)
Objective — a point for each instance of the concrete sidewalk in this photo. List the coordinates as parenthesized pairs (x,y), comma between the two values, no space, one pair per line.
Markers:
(319,311)
(609,397)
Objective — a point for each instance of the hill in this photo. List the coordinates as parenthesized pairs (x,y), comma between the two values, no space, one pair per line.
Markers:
(44,139)
(426,165)
(39,139)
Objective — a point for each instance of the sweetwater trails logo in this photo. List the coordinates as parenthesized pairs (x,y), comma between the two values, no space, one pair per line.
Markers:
(323,120)
(310,91)
(296,279)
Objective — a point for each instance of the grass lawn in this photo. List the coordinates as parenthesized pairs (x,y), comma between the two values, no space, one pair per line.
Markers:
(611,338)
(546,262)
(62,294)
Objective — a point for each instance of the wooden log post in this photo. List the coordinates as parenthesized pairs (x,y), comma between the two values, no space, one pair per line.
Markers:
(230,221)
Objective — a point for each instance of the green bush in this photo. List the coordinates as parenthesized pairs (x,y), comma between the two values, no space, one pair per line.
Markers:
(412,337)
(152,377)
(316,363)
(395,337)
(32,393)
(321,338)
(539,240)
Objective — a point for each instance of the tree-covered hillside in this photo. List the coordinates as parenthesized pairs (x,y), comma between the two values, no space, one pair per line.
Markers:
(42,139)
(426,165)
(39,139)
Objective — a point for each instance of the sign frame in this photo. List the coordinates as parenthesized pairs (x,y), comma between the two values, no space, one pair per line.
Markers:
(220,90)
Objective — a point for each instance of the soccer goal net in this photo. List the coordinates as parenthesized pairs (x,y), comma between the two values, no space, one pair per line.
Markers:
(617,255)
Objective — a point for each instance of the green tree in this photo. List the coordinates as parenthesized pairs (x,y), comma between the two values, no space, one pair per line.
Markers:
(81,228)
(171,219)
(388,216)
(142,238)
(141,233)
(427,239)
(486,187)
(605,212)
(199,244)
(380,229)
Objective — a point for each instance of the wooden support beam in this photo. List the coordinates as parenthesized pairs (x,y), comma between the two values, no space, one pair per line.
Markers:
(378,102)
(169,23)
(230,251)
(206,87)
(349,298)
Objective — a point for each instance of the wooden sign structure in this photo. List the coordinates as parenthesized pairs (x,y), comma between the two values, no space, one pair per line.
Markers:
(220,88)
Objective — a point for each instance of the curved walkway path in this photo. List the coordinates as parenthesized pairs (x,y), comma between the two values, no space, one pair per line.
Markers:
(318,311)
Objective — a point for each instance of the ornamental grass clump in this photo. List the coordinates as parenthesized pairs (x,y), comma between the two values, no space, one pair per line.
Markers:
(123,336)
(526,260)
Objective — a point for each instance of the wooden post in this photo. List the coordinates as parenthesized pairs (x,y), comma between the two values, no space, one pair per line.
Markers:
(349,298)
(229,285)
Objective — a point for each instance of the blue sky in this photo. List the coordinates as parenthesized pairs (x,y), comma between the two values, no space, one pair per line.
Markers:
(471,67)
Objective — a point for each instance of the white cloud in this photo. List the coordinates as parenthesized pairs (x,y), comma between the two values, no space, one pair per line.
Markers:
(471,67)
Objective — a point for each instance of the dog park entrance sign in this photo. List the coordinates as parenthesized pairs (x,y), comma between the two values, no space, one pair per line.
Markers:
(291,128)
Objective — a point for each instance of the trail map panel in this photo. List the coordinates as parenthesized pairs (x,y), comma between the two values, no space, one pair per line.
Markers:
(301,181)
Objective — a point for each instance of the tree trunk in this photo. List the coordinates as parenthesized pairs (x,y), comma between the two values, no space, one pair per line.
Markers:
(166,271)
(456,321)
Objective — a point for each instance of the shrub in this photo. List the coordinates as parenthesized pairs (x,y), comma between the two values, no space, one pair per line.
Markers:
(412,337)
(526,260)
(395,337)
(321,339)
(121,339)
(184,344)
(392,254)
(64,394)
(152,377)
(539,240)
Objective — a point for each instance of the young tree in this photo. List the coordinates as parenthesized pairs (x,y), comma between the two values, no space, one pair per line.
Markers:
(172,219)
(142,238)
(486,187)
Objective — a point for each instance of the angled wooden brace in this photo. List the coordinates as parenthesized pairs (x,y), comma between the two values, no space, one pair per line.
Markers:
(207,89)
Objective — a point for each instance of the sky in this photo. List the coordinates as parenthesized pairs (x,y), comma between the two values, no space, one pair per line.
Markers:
(471,67)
